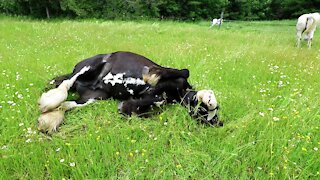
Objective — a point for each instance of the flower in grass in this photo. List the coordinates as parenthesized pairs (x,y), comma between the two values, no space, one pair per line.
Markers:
(117,153)
(21,124)
(72,164)
(315,148)
(276,118)
(28,140)
(58,149)
(261,114)
(61,160)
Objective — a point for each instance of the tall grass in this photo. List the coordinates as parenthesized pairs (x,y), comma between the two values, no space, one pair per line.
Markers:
(268,91)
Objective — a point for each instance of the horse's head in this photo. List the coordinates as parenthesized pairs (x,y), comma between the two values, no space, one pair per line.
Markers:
(204,106)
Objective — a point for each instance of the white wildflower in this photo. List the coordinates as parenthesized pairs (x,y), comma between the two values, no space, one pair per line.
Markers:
(72,164)
(276,118)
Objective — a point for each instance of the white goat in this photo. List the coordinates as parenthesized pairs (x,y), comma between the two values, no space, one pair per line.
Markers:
(307,24)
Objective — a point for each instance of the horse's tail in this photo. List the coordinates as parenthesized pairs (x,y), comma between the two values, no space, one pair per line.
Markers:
(310,24)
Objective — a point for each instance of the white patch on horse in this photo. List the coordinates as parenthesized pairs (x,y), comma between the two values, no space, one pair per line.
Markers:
(130,91)
(114,79)
(119,79)
(135,81)
(211,114)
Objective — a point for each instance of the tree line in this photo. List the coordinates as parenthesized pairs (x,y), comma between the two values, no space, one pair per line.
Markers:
(189,10)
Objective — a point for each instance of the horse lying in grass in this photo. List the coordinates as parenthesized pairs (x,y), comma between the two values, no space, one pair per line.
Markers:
(307,24)
(140,83)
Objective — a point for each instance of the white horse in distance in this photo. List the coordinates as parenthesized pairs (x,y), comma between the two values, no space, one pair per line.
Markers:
(307,24)
(216,22)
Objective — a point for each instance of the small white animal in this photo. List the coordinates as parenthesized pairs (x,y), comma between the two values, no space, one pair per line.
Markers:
(54,97)
(307,24)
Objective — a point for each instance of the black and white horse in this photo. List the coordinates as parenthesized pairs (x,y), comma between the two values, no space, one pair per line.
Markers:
(140,83)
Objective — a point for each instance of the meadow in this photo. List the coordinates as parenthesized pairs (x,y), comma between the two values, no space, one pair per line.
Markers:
(268,91)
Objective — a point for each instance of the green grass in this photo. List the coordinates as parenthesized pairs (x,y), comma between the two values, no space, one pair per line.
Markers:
(268,91)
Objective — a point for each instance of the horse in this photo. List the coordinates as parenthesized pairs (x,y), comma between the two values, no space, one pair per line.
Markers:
(138,82)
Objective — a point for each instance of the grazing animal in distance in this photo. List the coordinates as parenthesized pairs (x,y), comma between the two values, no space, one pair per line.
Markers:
(140,83)
(216,22)
(306,25)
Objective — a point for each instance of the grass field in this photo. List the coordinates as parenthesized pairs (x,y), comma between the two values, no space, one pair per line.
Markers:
(267,88)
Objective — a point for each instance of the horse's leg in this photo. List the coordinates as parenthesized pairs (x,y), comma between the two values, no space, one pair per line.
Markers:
(310,37)
(92,94)
(50,121)
(140,107)
(299,34)
(105,70)
(86,93)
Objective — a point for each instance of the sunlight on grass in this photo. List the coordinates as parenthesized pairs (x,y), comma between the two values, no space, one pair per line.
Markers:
(268,92)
